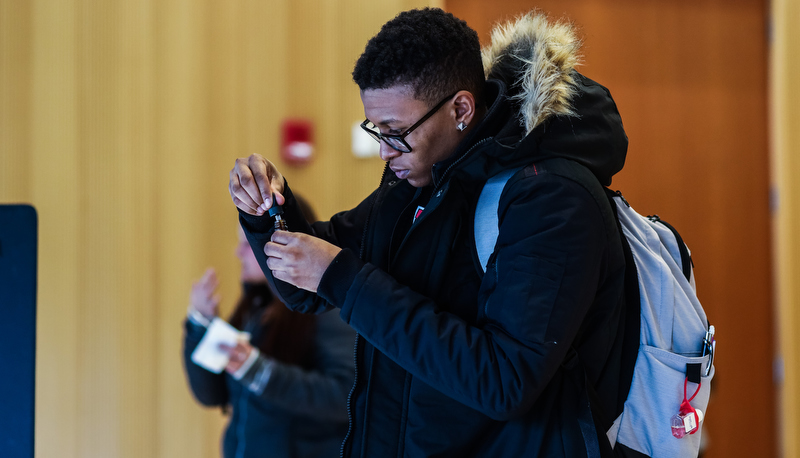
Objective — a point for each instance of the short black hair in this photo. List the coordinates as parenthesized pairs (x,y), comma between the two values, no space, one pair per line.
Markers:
(430,50)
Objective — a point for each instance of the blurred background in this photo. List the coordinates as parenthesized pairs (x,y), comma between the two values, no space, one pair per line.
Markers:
(120,121)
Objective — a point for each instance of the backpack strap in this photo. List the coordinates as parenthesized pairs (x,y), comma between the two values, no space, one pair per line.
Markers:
(487,223)
(633,310)
(686,258)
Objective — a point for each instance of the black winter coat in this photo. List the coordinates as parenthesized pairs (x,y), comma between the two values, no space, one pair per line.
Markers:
(452,362)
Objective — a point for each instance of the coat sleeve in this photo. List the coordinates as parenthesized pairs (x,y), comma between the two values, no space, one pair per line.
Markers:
(344,230)
(320,392)
(539,286)
(207,387)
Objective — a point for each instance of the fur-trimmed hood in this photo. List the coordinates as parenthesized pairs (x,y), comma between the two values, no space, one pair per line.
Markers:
(537,60)
(556,111)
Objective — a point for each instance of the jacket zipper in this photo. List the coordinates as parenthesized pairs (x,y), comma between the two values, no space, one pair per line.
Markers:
(457,161)
(361,256)
(361,253)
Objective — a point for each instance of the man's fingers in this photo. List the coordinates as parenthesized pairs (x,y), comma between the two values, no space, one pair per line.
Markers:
(299,259)
(268,179)
(279,199)
(253,183)
(262,177)
(245,208)
(286,237)
(256,183)
(280,269)
(273,250)
(279,259)
(282,276)
(241,197)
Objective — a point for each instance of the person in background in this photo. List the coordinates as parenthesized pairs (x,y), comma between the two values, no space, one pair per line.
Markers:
(286,389)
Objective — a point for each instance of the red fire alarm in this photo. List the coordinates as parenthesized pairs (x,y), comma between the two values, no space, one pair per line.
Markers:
(297,142)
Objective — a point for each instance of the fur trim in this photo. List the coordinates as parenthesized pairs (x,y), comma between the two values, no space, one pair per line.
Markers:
(546,54)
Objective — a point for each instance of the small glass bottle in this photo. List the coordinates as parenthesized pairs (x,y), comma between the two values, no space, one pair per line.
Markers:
(686,423)
(280,224)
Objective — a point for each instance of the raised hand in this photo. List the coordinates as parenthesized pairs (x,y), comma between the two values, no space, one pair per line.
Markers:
(204,297)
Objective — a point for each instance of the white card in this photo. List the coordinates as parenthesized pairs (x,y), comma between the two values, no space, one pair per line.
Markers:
(208,354)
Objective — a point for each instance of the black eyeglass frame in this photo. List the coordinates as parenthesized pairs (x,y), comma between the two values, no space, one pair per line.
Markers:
(401,137)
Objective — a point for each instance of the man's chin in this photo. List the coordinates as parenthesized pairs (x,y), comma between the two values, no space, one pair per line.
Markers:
(417,183)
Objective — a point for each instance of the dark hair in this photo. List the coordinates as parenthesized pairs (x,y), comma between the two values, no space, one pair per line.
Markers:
(432,51)
(283,334)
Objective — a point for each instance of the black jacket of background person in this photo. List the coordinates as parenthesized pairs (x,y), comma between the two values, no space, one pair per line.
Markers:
(454,362)
(299,412)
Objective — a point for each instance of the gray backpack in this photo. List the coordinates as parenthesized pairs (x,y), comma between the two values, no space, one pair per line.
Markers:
(676,344)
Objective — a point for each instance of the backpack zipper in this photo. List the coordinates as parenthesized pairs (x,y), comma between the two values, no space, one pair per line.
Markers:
(619,194)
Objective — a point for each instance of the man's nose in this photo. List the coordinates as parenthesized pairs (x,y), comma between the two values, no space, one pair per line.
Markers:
(388,153)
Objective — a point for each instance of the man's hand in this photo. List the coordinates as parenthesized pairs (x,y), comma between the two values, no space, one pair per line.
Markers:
(253,181)
(299,259)
(204,297)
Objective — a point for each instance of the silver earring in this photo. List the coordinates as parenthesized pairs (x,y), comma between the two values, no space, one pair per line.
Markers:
(461,126)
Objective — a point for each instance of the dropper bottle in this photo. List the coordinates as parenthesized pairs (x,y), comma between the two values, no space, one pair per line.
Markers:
(276,211)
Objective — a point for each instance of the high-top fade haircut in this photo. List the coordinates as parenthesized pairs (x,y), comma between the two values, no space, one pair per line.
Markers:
(429,50)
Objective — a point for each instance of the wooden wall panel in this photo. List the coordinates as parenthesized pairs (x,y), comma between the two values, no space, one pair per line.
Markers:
(15,93)
(690,81)
(52,181)
(785,117)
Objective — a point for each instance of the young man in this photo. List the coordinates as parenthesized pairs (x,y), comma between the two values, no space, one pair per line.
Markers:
(451,361)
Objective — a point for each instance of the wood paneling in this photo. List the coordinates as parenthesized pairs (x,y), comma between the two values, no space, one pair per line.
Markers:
(690,81)
(785,117)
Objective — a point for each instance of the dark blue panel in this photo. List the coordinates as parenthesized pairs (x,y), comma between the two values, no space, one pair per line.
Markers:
(18,247)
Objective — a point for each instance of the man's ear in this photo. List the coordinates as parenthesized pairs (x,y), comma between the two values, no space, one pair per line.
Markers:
(464,107)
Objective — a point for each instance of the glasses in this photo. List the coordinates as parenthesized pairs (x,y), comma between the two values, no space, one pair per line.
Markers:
(398,142)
